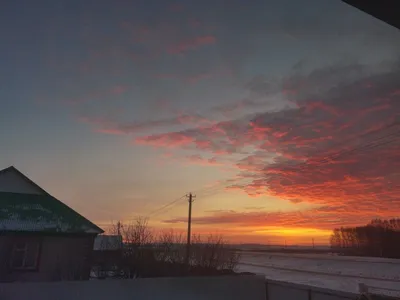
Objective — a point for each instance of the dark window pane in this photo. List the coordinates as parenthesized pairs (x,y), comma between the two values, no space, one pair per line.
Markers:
(25,255)
(31,255)
(18,259)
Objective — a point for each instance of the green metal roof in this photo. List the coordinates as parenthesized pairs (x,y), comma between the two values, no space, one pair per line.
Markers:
(40,213)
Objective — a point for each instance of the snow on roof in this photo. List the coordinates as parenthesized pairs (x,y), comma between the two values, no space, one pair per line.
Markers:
(34,213)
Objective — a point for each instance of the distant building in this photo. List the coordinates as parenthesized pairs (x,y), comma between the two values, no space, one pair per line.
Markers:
(107,255)
(108,243)
(41,238)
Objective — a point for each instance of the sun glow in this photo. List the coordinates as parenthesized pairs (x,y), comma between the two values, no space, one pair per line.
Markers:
(303,232)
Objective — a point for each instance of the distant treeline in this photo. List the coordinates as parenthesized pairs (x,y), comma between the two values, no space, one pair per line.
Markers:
(379,238)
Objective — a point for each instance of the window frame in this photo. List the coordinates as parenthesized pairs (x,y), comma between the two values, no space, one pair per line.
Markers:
(29,244)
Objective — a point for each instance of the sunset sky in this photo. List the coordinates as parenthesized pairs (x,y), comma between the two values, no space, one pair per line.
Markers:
(281,116)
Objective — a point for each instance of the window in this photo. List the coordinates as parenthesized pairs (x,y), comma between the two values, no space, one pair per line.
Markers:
(25,255)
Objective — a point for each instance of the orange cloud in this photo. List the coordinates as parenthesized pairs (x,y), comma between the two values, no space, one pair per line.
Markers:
(325,218)
(165,140)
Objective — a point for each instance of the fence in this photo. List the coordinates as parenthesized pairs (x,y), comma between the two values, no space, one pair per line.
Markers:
(279,290)
(194,288)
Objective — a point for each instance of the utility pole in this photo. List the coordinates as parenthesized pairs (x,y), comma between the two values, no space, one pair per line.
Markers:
(190,200)
(313,243)
(119,225)
(119,228)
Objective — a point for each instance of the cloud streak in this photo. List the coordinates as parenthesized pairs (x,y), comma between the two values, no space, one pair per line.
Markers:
(199,160)
(324,217)
(190,44)
(110,126)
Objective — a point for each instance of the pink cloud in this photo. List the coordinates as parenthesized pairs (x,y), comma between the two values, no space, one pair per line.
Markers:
(110,131)
(108,126)
(168,140)
(196,77)
(311,106)
(194,23)
(191,44)
(118,90)
(199,160)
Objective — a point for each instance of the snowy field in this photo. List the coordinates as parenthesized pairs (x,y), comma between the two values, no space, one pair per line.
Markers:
(342,273)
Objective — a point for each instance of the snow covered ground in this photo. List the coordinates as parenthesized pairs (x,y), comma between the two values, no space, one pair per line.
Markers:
(341,273)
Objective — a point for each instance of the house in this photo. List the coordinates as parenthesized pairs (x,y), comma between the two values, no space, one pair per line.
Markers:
(107,255)
(41,238)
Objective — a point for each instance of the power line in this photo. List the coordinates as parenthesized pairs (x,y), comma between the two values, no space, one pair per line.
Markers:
(158,210)
(213,189)
(167,209)
(164,208)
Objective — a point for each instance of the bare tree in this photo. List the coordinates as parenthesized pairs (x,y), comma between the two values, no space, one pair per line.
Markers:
(145,250)
(113,229)
(214,253)
(138,246)
(170,247)
(138,233)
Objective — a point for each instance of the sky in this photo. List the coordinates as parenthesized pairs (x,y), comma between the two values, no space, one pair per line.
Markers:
(282,117)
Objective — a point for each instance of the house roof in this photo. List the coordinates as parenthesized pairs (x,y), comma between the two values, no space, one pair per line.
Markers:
(41,213)
(107,242)
(24,211)
(382,10)
(21,175)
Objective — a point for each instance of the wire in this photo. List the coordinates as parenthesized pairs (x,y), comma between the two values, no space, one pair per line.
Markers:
(166,210)
(158,210)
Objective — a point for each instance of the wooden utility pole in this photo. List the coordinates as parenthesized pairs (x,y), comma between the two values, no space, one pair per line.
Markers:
(119,228)
(189,233)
